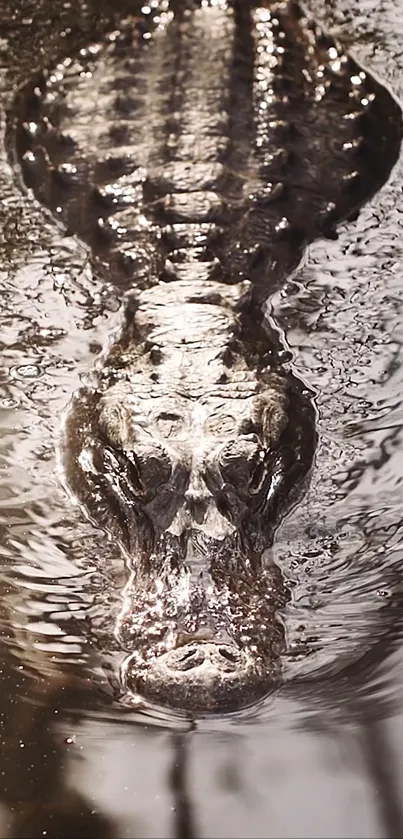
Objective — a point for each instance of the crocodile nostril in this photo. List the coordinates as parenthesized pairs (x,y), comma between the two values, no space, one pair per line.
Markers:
(218,658)
(189,658)
(189,654)
(229,654)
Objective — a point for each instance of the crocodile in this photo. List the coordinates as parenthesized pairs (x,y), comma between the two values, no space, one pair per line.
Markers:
(197,149)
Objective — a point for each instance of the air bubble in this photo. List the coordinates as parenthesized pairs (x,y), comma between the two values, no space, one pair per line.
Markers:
(26,371)
(8,403)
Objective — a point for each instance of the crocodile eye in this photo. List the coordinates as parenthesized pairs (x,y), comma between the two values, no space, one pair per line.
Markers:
(148,467)
(242,464)
(259,473)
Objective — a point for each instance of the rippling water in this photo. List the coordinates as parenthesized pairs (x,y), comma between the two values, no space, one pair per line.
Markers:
(322,756)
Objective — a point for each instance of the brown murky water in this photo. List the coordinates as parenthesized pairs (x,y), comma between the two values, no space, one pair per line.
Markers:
(322,757)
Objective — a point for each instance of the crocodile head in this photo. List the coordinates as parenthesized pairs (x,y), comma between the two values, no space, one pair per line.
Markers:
(203,626)
(196,484)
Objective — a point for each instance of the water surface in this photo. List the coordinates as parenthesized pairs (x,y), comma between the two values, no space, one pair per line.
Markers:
(321,757)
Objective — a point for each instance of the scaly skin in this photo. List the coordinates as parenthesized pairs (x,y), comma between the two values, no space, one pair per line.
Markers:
(185,451)
(197,151)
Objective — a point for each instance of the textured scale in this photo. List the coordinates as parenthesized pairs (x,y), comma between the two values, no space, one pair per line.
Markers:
(217,134)
(197,150)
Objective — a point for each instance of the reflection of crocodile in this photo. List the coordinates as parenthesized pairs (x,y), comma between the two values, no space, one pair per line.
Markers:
(198,150)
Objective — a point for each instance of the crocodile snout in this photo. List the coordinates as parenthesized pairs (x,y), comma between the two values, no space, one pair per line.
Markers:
(201,677)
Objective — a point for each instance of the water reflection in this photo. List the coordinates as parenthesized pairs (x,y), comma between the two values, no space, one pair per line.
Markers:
(37,758)
(184,822)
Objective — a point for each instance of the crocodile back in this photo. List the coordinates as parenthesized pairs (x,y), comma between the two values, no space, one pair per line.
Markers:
(205,140)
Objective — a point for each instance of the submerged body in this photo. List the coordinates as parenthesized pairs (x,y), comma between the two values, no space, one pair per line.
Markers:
(186,454)
(198,150)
